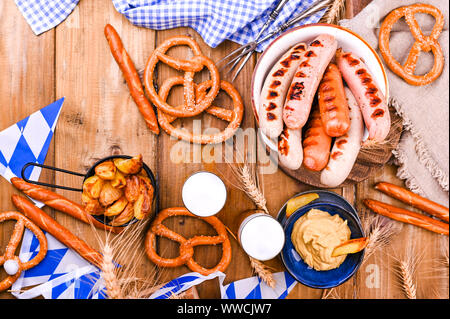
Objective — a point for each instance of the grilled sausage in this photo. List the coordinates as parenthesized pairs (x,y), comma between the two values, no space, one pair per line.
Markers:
(317,144)
(306,80)
(290,150)
(333,102)
(369,96)
(274,91)
(346,148)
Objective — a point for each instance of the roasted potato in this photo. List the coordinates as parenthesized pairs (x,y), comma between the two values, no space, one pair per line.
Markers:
(132,188)
(117,207)
(124,217)
(106,170)
(91,205)
(109,194)
(129,166)
(143,204)
(92,186)
(119,180)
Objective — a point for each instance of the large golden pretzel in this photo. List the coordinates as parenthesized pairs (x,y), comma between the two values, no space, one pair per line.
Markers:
(187,245)
(191,108)
(422,43)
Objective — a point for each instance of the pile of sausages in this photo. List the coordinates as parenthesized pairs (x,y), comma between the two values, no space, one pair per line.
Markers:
(316,101)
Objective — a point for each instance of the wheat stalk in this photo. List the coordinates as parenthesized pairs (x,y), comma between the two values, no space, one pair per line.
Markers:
(406,276)
(330,293)
(335,12)
(263,272)
(249,185)
(109,275)
(405,270)
(251,188)
(125,250)
(379,230)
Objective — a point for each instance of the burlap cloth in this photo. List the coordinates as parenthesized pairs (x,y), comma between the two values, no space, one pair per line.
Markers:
(422,155)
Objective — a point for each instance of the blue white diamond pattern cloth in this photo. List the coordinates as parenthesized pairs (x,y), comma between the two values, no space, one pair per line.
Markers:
(216,21)
(28,141)
(248,288)
(62,274)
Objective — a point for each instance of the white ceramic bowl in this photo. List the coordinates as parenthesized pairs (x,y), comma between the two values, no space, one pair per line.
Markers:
(347,40)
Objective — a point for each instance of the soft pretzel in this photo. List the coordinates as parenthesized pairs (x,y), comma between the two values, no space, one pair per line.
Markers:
(235,116)
(189,67)
(423,43)
(187,245)
(12,264)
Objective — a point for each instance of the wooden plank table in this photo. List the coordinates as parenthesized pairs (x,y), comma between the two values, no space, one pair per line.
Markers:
(99,118)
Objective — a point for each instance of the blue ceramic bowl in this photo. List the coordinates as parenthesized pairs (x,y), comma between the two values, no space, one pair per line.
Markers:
(321,279)
(327,197)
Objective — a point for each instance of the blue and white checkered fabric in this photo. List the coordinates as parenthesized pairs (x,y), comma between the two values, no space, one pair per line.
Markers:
(216,21)
(28,141)
(43,15)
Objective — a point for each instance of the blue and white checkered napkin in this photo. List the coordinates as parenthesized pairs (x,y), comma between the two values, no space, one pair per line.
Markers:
(28,141)
(216,21)
(43,15)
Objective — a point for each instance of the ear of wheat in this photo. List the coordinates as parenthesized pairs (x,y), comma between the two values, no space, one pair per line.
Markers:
(405,270)
(379,230)
(335,12)
(249,185)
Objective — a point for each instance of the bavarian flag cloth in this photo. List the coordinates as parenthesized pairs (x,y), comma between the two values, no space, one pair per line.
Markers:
(235,20)
(28,141)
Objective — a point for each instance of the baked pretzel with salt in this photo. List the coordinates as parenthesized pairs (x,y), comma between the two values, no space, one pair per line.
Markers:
(234,117)
(12,263)
(190,67)
(187,245)
(422,43)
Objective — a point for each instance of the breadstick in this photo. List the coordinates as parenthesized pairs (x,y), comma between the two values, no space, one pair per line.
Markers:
(132,77)
(407,216)
(414,200)
(60,203)
(48,224)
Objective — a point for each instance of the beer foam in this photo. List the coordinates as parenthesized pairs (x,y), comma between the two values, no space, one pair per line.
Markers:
(262,237)
(204,194)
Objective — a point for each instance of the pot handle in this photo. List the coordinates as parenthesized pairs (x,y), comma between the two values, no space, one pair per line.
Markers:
(53,169)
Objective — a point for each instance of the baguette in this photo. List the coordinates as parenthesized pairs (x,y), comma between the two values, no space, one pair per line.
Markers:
(60,203)
(48,224)
(407,216)
(132,77)
(414,200)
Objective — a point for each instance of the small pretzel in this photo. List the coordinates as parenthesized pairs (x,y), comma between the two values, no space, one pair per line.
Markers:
(423,43)
(234,117)
(190,67)
(187,245)
(12,264)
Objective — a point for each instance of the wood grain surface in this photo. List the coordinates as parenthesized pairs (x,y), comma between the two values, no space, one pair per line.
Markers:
(99,118)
